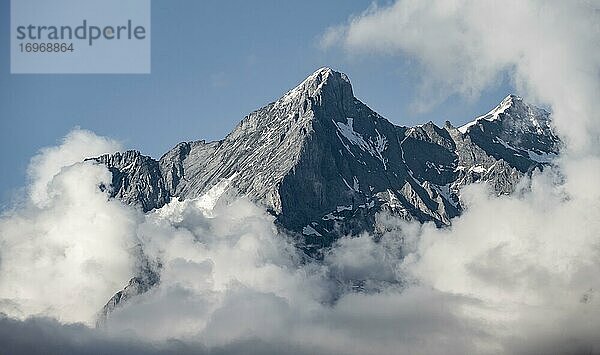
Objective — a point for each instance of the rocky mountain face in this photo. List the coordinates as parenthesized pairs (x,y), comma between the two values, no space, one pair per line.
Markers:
(325,164)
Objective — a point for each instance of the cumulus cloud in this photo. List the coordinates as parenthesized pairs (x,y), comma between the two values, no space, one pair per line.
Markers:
(530,261)
(75,147)
(68,247)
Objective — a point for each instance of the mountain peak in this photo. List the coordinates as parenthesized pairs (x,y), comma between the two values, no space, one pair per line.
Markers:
(493,115)
(325,71)
(323,79)
(517,131)
(504,105)
(324,74)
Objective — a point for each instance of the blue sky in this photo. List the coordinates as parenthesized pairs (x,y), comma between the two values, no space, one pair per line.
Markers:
(213,62)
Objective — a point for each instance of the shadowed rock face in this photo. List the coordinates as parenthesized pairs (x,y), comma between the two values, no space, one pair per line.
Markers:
(325,164)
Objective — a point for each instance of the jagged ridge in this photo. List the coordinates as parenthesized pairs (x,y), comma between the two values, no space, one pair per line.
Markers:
(324,163)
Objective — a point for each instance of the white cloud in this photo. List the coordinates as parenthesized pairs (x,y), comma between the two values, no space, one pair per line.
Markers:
(67,248)
(550,48)
(75,147)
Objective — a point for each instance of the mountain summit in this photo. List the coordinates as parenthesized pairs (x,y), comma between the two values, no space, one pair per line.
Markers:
(325,164)
(322,80)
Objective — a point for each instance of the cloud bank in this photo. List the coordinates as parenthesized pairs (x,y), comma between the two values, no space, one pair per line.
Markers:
(513,274)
